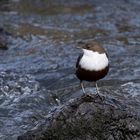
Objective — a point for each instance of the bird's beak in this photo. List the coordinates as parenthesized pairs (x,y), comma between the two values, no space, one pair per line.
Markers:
(80,45)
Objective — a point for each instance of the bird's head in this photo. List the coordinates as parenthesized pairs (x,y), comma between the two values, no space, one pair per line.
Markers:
(91,47)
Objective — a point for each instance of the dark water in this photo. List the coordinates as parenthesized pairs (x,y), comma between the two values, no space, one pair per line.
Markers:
(40,61)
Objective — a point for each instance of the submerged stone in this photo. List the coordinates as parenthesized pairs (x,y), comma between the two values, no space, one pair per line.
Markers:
(3,41)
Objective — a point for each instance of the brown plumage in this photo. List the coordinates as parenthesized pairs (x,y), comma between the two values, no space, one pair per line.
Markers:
(90,76)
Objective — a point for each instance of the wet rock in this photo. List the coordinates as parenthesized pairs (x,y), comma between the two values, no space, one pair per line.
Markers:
(88,118)
(3,42)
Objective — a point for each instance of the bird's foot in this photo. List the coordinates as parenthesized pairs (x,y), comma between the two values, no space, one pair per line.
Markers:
(100,97)
(88,97)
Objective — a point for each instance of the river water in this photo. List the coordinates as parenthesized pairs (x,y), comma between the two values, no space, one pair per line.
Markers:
(39,65)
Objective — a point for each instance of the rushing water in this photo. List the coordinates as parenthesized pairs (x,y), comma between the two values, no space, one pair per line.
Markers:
(39,64)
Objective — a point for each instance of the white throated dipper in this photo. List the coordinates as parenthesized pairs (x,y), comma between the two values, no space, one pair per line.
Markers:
(92,65)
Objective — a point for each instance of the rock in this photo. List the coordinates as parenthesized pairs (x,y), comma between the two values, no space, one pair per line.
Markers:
(3,40)
(88,118)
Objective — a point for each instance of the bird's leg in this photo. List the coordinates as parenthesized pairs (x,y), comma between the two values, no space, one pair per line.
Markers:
(97,91)
(82,86)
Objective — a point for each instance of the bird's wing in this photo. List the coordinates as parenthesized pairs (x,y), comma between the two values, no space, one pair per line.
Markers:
(78,60)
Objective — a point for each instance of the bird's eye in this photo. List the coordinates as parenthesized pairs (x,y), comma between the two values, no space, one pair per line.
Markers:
(88,46)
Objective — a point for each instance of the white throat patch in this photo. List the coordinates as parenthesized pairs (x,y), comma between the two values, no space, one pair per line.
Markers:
(93,60)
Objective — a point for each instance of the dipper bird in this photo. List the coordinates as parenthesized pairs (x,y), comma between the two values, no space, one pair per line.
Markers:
(92,65)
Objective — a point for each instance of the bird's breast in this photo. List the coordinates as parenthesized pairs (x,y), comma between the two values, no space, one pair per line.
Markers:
(94,62)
